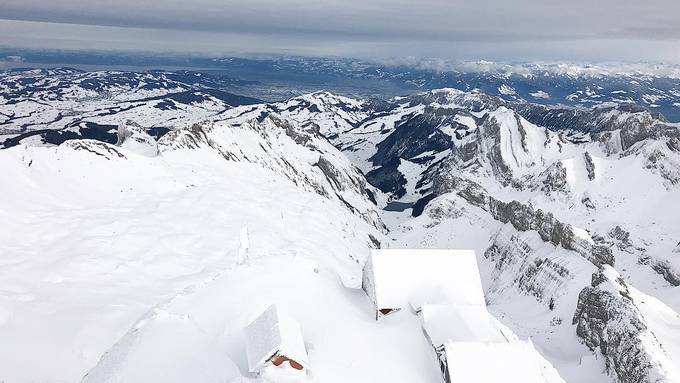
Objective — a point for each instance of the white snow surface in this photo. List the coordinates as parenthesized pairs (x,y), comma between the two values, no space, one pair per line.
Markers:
(540,94)
(474,362)
(406,278)
(99,243)
(461,323)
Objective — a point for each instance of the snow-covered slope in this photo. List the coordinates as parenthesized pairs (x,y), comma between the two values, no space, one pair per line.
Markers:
(99,241)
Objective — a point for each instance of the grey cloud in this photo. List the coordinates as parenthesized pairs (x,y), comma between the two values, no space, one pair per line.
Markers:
(379,26)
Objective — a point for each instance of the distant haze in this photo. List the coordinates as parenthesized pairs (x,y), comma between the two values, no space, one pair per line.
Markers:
(589,30)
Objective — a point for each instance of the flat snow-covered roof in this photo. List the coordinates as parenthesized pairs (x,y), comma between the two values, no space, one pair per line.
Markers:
(446,323)
(273,332)
(476,362)
(415,277)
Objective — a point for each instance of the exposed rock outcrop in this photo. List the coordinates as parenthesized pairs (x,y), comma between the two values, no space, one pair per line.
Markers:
(415,135)
(625,124)
(554,178)
(133,137)
(98,148)
(607,319)
(590,165)
(664,268)
(621,235)
(524,217)
(296,151)
(540,277)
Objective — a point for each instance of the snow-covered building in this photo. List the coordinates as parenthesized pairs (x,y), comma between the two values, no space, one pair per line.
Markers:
(444,288)
(397,278)
(275,339)
(473,346)
(451,323)
(479,362)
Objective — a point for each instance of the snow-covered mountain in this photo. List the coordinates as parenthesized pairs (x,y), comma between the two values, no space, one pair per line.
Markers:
(548,196)
(102,245)
(126,241)
(53,105)
(655,86)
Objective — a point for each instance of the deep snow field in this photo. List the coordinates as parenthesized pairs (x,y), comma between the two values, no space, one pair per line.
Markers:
(127,269)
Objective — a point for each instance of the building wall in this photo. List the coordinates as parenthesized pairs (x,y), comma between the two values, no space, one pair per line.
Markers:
(367,282)
(443,364)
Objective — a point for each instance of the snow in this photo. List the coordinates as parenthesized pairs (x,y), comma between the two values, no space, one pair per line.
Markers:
(652,99)
(472,362)
(146,355)
(404,277)
(93,241)
(341,336)
(467,121)
(135,139)
(61,100)
(506,90)
(243,246)
(571,69)
(411,172)
(582,233)
(522,143)
(663,337)
(359,143)
(457,323)
(274,333)
(459,225)
(540,94)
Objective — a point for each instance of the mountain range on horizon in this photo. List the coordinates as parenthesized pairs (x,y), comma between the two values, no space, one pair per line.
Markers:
(652,85)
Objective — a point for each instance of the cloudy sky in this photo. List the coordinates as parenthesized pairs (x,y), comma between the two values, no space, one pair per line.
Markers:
(511,30)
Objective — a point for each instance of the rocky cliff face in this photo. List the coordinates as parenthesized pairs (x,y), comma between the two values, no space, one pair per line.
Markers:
(133,137)
(608,320)
(292,149)
(517,258)
(524,217)
(634,123)
(487,136)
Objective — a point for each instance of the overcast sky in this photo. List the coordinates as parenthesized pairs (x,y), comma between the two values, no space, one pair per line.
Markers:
(506,30)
